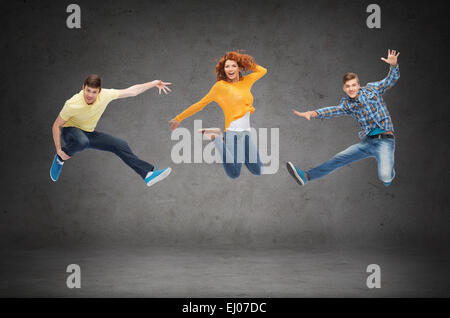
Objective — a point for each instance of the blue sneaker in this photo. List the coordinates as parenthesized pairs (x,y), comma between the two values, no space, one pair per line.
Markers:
(157,175)
(55,170)
(299,175)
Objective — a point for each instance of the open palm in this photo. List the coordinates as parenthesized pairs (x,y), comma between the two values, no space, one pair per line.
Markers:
(391,57)
(163,86)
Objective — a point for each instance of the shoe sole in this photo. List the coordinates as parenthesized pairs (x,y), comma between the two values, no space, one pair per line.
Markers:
(162,176)
(51,177)
(293,172)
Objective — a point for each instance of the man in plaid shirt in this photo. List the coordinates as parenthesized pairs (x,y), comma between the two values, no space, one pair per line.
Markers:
(367,106)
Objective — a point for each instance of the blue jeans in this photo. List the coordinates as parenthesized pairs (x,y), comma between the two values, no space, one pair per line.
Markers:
(381,149)
(236,148)
(77,140)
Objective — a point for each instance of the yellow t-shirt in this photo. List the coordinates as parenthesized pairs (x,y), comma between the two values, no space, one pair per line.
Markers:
(77,113)
(235,99)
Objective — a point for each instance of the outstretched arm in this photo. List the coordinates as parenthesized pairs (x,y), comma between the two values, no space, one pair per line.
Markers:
(393,75)
(308,115)
(191,110)
(140,88)
(326,112)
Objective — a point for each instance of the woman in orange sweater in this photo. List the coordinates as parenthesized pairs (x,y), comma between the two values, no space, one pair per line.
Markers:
(232,92)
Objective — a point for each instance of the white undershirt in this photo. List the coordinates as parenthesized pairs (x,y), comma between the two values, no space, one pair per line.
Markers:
(240,124)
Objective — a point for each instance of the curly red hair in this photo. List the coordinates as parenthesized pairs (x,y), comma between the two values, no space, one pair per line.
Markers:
(244,61)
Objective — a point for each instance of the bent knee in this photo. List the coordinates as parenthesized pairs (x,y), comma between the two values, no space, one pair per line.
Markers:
(232,172)
(255,170)
(386,177)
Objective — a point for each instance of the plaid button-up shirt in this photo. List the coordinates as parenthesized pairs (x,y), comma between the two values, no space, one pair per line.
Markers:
(368,108)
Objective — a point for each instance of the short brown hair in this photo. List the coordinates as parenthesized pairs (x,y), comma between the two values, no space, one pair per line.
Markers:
(349,76)
(93,81)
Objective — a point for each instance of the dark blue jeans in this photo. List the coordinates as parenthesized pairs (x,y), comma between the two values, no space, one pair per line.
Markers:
(77,140)
(237,148)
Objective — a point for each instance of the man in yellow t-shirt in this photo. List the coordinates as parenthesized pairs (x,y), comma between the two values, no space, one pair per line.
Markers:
(77,121)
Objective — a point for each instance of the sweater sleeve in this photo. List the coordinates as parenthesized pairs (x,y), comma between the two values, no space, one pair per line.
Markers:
(258,72)
(191,110)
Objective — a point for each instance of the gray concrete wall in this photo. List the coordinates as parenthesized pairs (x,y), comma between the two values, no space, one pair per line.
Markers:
(306,47)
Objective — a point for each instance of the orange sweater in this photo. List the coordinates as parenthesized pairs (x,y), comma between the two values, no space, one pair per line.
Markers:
(235,99)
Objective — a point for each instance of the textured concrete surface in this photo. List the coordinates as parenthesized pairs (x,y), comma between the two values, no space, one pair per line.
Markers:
(225,272)
(306,46)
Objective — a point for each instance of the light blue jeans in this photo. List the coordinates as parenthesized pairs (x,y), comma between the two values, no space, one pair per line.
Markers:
(381,149)
(236,148)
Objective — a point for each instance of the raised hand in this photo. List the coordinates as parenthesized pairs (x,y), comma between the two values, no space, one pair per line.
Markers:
(163,86)
(391,57)
(308,115)
(174,123)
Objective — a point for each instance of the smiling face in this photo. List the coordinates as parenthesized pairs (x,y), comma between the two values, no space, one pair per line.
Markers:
(90,94)
(231,69)
(351,87)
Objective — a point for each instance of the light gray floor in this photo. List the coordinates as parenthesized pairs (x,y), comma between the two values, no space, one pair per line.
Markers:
(223,272)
